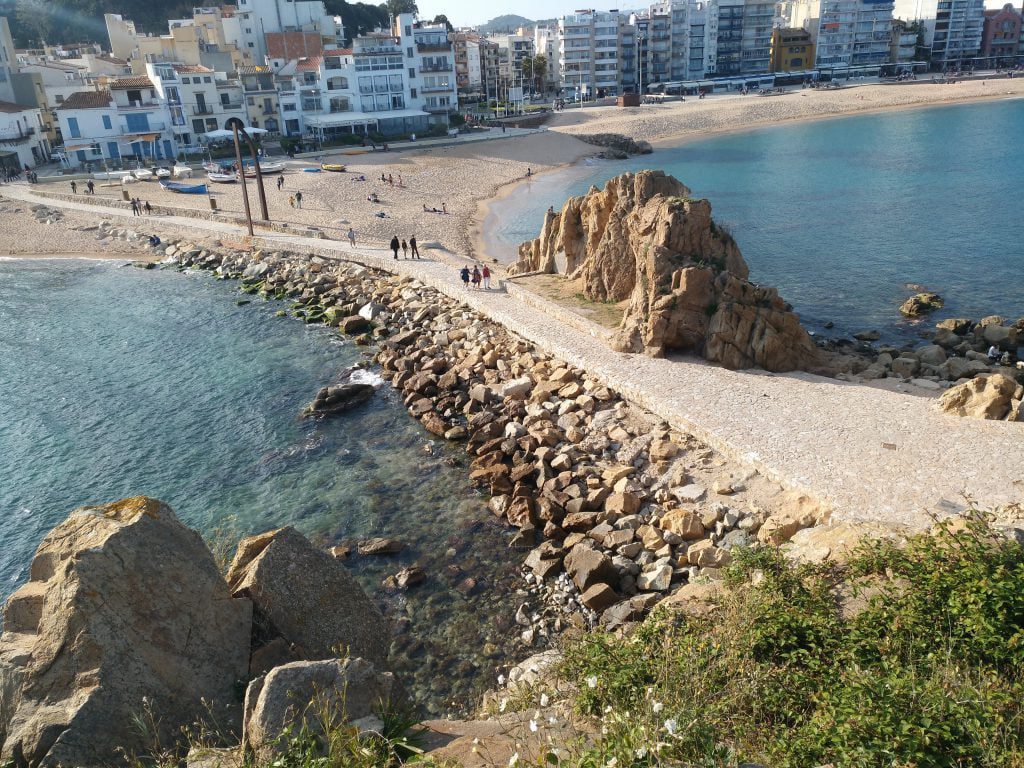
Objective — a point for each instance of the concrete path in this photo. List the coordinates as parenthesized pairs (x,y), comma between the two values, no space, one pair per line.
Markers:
(868,453)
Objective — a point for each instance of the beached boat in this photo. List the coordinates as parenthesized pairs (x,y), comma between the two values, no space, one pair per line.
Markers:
(311,170)
(143,174)
(213,168)
(184,189)
(182,172)
(335,167)
(163,173)
(129,179)
(265,168)
(222,178)
(107,175)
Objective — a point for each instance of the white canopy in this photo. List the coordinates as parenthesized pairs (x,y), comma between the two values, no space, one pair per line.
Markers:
(226,134)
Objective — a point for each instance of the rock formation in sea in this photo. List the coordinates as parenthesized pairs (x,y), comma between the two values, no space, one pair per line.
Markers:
(644,239)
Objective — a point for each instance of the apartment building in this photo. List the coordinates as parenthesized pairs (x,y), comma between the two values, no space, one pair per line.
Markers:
(1001,36)
(591,52)
(959,26)
(512,51)
(854,33)
(792,50)
(252,20)
(23,132)
(261,102)
(198,100)
(545,43)
(903,43)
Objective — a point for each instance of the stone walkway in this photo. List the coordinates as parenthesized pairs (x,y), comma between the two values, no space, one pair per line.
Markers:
(868,453)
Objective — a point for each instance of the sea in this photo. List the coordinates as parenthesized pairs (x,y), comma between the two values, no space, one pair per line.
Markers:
(845,216)
(117,381)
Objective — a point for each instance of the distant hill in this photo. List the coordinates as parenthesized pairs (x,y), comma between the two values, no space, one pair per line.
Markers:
(507,23)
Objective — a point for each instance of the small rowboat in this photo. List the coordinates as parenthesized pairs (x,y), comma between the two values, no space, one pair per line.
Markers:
(162,173)
(182,172)
(335,167)
(184,189)
(265,168)
(312,170)
(214,168)
(143,174)
(222,178)
(129,179)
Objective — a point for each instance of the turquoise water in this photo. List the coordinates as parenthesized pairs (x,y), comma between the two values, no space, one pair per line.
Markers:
(117,381)
(842,214)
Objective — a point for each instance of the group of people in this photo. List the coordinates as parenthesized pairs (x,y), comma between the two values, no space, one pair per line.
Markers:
(295,201)
(390,179)
(14,174)
(396,244)
(478,277)
(90,187)
(138,207)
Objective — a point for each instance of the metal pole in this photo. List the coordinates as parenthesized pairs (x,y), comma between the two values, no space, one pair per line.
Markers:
(259,175)
(241,174)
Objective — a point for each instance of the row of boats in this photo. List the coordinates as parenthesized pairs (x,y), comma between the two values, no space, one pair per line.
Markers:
(219,174)
(228,175)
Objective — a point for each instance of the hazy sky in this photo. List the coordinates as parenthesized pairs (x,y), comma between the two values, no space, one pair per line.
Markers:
(464,13)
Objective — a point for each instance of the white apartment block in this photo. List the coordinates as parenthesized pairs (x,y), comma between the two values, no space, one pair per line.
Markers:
(592,48)
(198,100)
(512,51)
(853,33)
(958,32)
(545,43)
(23,138)
(254,19)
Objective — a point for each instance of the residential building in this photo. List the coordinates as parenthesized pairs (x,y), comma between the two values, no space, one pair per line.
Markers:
(470,52)
(590,52)
(703,49)
(729,56)
(198,100)
(30,92)
(959,25)
(756,37)
(792,50)
(261,101)
(122,35)
(545,43)
(904,40)
(1001,36)
(248,26)
(854,33)
(92,130)
(512,51)
(23,133)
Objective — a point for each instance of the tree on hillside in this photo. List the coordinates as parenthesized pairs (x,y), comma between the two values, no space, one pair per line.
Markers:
(442,19)
(396,7)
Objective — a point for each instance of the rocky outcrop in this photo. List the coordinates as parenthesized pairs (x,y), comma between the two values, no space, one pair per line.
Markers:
(305,693)
(124,610)
(989,396)
(921,304)
(307,599)
(644,239)
(617,146)
(338,398)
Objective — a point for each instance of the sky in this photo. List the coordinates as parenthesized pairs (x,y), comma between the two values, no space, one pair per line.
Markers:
(465,13)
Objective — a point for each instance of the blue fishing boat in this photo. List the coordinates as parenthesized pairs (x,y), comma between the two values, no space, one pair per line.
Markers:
(184,189)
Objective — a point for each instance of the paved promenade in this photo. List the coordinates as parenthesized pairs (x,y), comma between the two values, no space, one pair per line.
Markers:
(868,453)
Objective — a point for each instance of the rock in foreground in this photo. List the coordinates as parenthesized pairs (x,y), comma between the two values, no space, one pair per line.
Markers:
(124,605)
(989,396)
(644,239)
(335,399)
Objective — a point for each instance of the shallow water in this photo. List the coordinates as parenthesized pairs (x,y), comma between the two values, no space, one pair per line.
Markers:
(116,381)
(841,215)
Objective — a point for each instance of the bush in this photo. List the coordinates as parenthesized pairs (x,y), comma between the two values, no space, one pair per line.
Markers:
(927,673)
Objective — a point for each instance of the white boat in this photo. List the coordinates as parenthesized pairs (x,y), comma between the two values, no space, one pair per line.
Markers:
(129,179)
(222,178)
(182,172)
(214,167)
(162,173)
(108,175)
(265,168)
(143,174)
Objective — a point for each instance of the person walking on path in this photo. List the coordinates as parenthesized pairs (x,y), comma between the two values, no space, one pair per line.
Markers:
(291,200)
(90,187)
(485,274)
(476,278)
(135,207)
(464,274)
(405,249)
(352,237)
(412,245)
(74,188)
(395,245)
(280,182)
(149,208)
(298,199)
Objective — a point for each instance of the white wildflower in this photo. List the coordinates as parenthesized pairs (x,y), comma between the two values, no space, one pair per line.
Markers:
(640,753)
(513,760)
(501,679)
(544,700)
(608,709)
(671,725)
(502,705)
(592,681)
(552,720)
(656,707)
(612,763)
(533,726)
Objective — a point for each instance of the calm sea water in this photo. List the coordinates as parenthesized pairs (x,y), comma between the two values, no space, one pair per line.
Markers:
(842,214)
(116,381)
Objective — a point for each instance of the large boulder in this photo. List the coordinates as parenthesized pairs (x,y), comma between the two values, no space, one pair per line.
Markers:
(304,694)
(644,239)
(306,597)
(988,396)
(125,610)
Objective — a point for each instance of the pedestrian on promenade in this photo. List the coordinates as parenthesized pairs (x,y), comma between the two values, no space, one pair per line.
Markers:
(149,208)
(476,278)
(280,182)
(405,249)
(412,245)
(74,188)
(352,237)
(298,199)
(135,207)
(90,187)
(464,273)
(485,273)
(291,200)
(395,245)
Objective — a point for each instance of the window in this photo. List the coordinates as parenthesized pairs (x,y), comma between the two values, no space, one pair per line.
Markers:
(288,108)
(408,52)
(251,45)
(137,123)
(412,72)
(60,99)
(106,122)
(95,150)
(248,30)
(207,80)
(198,127)
(73,128)
(412,93)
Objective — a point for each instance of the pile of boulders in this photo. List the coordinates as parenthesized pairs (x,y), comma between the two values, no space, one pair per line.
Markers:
(616,146)
(45,215)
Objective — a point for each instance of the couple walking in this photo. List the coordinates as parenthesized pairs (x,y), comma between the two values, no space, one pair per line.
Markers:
(476,277)
(405,246)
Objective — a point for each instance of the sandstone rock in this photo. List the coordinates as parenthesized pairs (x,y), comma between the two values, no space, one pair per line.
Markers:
(587,567)
(599,596)
(379,545)
(706,554)
(338,398)
(958,325)
(683,523)
(306,597)
(988,396)
(123,603)
(906,366)
(780,526)
(643,238)
(354,324)
(295,694)
(931,354)
(834,542)
(622,504)
(961,368)
(658,579)
(921,304)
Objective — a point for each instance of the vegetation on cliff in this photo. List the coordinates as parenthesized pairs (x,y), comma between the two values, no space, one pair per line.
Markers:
(905,656)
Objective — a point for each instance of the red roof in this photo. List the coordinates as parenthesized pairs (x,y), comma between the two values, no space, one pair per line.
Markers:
(191,69)
(138,81)
(11,107)
(87,100)
(292,45)
(310,64)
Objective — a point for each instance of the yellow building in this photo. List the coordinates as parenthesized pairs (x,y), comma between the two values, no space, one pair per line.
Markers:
(792,50)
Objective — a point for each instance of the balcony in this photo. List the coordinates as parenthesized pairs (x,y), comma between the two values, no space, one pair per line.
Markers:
(16,137)
(433,47)
(203,110)
(436,68)
(436,88)
(150,128)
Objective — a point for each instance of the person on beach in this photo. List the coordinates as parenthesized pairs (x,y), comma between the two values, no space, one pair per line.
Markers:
(529,172)
(391,180)
(90,187)
(280,182)
(444,207)
(412,245)
(298,199)
(476,278)
(395,245)
(405,249)
(135,207)
(149,208)
(154,241)
(352,237)
(400,182)
(993,354)
(485,274)
(464,273)
(74,188)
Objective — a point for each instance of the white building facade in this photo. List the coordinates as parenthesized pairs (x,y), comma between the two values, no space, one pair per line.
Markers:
(853,33)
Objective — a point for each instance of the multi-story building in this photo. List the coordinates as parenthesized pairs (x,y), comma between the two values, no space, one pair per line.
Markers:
(23,132)
(729,56)
(430,61)
(703,49)
(854,33)
(513,50)
(591,52)
(792,50)
(756,37)
(1001,36)
(956,42)
(903,44)
(261,102)
(198,99)
(252,20)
